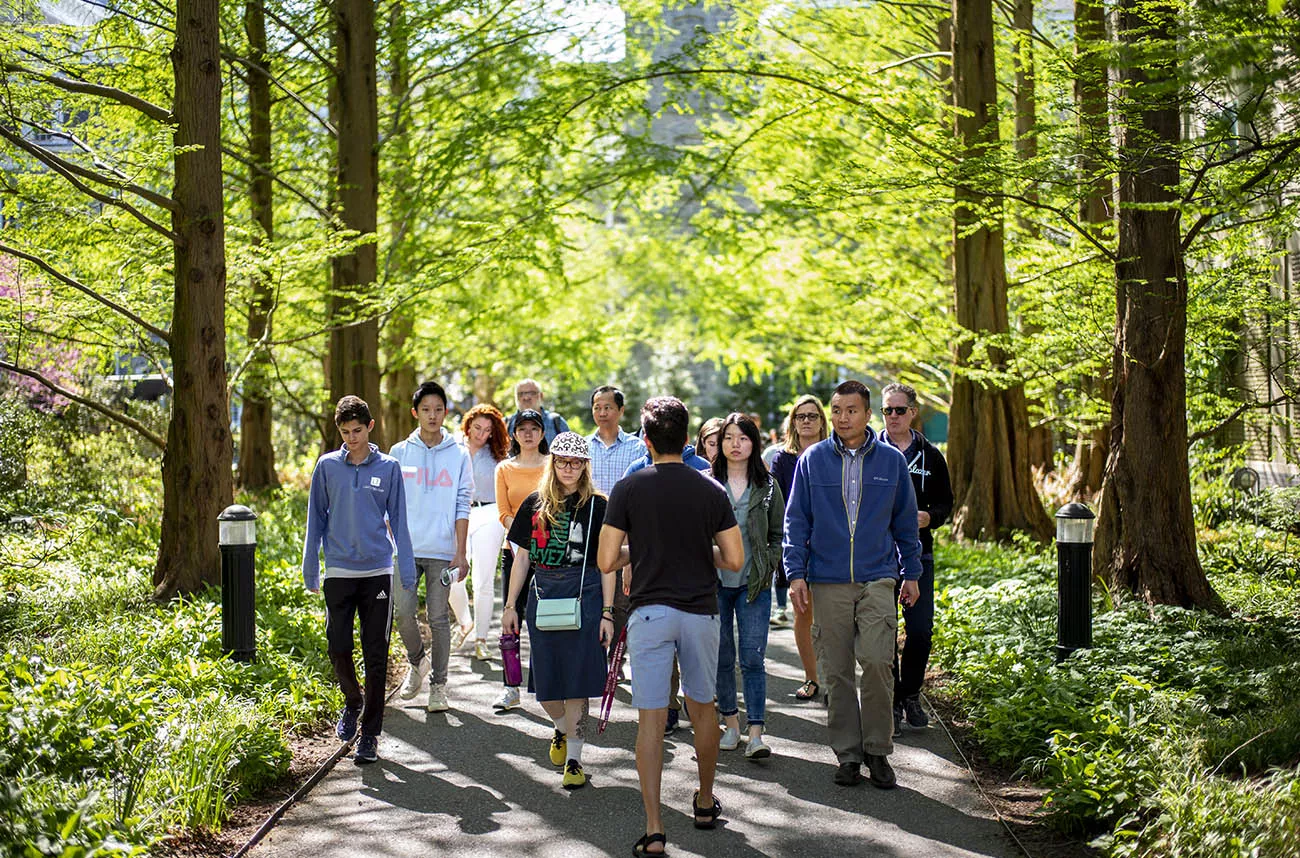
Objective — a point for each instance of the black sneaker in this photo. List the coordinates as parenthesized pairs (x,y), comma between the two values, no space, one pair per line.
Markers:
(848,774)
(880,771)
(367,750)
(674,718)
(916,716)
(898,719)
(346,727)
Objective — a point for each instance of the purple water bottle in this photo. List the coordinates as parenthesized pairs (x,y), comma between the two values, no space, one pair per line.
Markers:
(513,669)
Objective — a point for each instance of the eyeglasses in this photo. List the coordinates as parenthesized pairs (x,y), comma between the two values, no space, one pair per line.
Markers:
(900,410)
(568,464)
(805,418)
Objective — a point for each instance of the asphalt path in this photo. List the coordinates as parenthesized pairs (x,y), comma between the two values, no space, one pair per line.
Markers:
(473,782)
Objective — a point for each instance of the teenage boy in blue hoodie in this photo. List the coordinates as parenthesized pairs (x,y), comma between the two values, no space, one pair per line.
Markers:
(439,485)
(356,499)
(850,523)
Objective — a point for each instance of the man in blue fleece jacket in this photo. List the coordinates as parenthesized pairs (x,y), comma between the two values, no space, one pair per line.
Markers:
(849,525)
(356,498)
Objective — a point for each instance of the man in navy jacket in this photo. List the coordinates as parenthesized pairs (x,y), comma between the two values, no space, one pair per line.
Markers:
(850,523)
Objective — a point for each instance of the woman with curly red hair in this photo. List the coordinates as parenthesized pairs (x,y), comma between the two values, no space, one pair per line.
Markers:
(485,437)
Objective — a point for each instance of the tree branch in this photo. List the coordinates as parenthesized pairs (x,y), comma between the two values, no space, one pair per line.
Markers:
(1260,175)
(116,416)
(83,87)
(261,170)
(86,290)
(47,158)
(1237,412)
(51,159)
(293,96)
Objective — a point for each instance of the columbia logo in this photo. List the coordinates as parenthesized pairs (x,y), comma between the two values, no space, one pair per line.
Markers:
(382,595)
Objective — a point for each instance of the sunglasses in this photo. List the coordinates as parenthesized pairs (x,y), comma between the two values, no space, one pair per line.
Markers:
(568,464)
(806,418)
(900,410)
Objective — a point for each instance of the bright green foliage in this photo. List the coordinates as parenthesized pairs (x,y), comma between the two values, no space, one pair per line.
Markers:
(123,719)
(1171,714)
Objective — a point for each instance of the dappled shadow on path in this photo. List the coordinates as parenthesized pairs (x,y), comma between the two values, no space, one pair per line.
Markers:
(474,782)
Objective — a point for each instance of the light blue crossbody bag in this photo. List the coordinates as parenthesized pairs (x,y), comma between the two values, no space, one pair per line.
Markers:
(564,615)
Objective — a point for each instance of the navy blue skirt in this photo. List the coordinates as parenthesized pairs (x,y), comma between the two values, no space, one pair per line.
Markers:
(567,665)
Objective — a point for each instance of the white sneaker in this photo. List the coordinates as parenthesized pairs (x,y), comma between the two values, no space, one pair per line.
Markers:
(730,739)
(437,698)
(756,750)
(509,700)
(415,678)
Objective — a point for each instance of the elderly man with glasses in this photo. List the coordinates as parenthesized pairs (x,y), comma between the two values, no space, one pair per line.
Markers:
(528,396)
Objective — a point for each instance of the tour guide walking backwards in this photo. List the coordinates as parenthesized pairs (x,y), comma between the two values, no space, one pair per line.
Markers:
(671,516)
(850,520)
(356,496)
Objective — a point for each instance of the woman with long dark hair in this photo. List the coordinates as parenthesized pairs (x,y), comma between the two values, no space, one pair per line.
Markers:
(745,597)
(516,478)
(805,426)
(557,530)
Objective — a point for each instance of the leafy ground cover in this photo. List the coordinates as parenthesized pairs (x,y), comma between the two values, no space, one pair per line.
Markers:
(123,721)
(1178,733)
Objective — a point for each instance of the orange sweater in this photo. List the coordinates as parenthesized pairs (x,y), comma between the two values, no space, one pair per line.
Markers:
(514,483)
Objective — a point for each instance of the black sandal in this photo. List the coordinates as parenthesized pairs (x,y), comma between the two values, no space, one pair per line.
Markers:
(705,819)
(810,690)
(640,847)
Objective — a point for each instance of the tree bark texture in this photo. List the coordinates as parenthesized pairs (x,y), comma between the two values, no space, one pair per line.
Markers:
(988,445)
(399,370)
(1146,537)
(196,476)
(1096,209)
(1042,440)
(354,338)
(256,451)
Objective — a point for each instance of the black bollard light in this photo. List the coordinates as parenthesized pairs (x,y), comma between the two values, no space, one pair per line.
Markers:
(238,539)
(1074,524)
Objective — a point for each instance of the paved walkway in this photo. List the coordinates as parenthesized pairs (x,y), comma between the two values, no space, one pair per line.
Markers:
(471,782)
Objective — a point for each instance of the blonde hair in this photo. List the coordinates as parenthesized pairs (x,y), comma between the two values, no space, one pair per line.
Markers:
(551,494)
(791,444)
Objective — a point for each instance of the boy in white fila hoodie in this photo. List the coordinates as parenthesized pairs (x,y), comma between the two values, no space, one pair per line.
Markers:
(439,483)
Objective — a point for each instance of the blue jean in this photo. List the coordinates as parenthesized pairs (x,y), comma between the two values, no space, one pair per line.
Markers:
(750,620)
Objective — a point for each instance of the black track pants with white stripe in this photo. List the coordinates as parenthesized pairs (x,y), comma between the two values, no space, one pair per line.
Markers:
(369,599)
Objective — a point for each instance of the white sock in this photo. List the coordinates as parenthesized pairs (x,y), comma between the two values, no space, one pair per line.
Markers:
(575,749)
(561,723)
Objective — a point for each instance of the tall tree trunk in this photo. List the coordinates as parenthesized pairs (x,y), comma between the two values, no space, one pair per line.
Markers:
(988,445)
(1146,537)
(1091,86)
(196,475)
(399,369)
(354,339)
(1041,439)
(256,452)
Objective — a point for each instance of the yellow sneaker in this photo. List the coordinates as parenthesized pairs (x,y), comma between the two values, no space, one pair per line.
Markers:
(574,776)
(559,749)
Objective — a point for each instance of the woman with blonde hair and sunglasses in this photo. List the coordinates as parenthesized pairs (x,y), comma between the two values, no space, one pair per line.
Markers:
(804,426)
(555,533)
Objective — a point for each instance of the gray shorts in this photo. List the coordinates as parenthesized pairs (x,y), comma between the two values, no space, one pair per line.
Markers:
(655,633)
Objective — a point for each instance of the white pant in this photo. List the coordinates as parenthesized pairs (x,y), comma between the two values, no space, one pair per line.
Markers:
(485,537)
